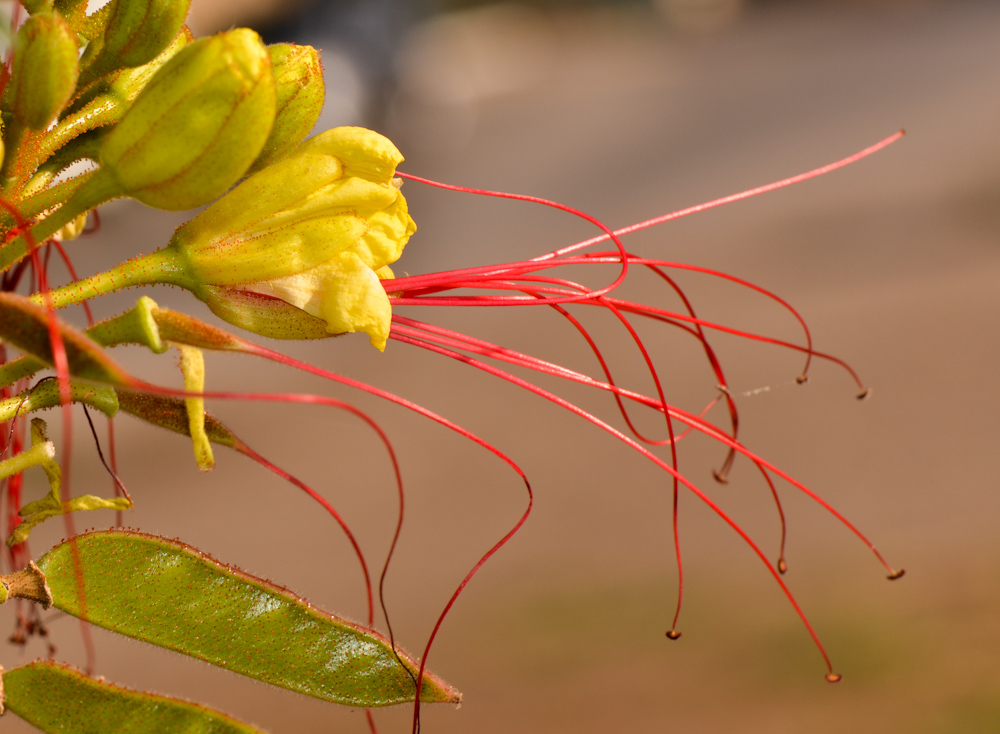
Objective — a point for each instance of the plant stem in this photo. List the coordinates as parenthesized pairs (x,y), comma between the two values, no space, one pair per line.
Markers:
(98,189)
(166,266)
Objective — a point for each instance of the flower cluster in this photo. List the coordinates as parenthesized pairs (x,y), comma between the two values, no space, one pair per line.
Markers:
(295,245)
(296,241)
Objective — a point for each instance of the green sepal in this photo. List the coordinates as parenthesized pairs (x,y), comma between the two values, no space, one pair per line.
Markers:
(25,325)
(135,32)
(92,26)
(57,698)
(264,315)
(171,413)
(179,327)
(171,595)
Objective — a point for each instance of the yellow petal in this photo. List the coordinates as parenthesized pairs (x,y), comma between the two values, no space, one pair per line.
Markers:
(344,292)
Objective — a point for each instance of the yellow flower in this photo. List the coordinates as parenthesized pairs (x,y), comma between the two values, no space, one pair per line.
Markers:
(297,251)
(316,231)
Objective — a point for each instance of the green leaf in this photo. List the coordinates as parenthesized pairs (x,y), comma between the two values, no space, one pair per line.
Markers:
(57,698)
(171,595)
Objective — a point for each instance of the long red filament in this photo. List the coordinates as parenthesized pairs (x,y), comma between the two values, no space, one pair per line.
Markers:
(61,365)
(643,451)
(766,188)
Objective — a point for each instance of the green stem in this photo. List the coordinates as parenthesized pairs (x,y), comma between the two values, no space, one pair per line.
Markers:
(46,395)
(99,112)
(31,206)
(166,266)
(98,189)
(50,197)
(14,137)
(18,369)
(27,459)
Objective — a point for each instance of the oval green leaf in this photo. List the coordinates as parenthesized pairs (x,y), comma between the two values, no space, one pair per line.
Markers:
(57,698)
(171,595)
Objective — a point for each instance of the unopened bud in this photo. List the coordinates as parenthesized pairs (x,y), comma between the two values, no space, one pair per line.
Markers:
(45,70)
(299,250)
(137,31)
(197,125)
(298,81)
(105,102)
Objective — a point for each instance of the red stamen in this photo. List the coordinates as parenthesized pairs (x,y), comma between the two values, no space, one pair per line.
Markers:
(783,183)
(644,452)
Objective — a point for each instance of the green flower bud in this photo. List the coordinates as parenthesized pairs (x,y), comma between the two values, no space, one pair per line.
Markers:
(45,70)
(102,105)
(137,31)
(298,81)
(197,125)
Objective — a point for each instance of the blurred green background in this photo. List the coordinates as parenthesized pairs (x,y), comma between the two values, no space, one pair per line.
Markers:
(628,110)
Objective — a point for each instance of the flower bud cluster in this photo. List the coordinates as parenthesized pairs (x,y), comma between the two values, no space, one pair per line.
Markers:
(298,250)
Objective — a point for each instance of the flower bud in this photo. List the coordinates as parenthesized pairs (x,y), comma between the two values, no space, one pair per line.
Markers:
(45,70)
(197,125)
(315,231)
(137,31)
(298,81)
(105,102)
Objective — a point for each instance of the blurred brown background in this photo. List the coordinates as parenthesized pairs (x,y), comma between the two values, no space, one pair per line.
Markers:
(627,110)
